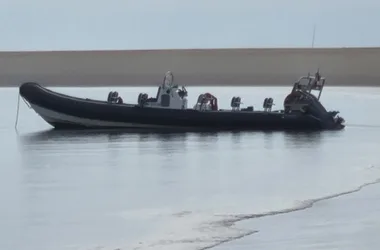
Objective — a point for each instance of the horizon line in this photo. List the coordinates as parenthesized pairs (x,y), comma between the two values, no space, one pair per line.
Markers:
(189,49)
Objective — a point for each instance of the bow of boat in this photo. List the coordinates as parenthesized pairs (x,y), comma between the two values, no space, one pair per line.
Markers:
(30,91)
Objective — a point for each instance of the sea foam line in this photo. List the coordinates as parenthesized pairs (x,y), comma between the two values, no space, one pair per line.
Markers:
(304,205)
(210,234)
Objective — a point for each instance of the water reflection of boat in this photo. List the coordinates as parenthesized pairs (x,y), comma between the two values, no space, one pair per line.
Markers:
(97,134)
(168,110)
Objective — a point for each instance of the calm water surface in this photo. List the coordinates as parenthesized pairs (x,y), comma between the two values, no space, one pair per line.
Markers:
(103,190)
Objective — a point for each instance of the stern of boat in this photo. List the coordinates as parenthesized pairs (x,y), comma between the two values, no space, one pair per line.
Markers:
(338,122)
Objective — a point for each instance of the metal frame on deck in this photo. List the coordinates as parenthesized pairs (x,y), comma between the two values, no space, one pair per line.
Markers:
(309,83)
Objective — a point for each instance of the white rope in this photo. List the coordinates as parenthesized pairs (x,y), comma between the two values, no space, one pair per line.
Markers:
(18,108)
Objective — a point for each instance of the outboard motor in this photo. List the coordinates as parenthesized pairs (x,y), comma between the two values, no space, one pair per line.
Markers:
(308,104)
(302,101)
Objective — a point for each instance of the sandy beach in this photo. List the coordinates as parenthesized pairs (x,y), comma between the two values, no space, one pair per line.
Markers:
(224,67)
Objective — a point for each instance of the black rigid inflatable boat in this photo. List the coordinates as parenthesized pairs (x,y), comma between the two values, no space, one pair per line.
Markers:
(302,110)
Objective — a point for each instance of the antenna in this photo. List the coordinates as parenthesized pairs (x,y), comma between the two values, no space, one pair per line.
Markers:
(312,42)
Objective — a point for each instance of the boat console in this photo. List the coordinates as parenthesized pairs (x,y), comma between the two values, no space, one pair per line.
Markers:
(168,96)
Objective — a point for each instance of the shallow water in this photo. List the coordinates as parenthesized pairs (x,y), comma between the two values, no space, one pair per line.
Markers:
(104,190)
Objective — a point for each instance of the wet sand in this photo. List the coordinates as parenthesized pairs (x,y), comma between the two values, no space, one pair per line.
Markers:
(223,67)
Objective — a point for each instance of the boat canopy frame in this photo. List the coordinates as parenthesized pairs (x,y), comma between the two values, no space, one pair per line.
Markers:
(309,83)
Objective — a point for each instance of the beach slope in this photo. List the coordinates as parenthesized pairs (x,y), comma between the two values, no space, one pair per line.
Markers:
(224,67)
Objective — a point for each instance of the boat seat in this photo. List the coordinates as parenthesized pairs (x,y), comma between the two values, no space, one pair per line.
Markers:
(165,100)
(151,99)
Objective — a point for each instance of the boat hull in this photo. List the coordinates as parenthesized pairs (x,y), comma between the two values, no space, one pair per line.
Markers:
(66,121)
(67,112)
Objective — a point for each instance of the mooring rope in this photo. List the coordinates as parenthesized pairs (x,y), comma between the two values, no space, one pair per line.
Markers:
(18,108)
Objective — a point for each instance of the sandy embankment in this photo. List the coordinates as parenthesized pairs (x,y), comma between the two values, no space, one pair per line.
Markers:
(346,66)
